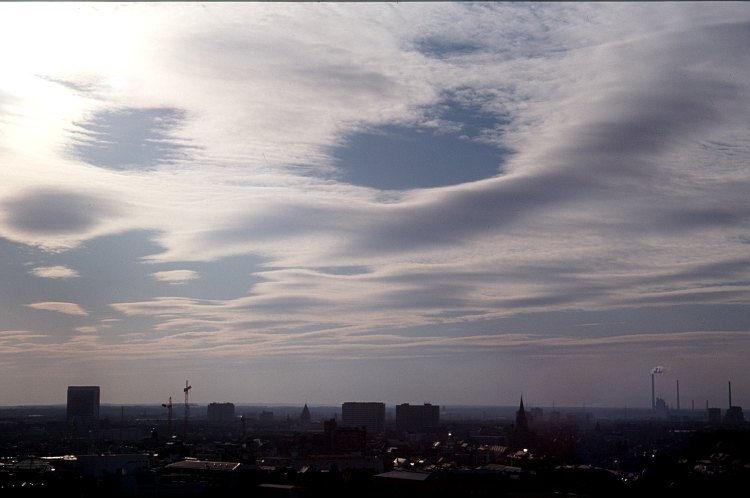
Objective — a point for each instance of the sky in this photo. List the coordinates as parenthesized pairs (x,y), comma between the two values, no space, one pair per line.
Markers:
(446,203)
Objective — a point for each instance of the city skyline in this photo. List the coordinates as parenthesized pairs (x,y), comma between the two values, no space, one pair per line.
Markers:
(452,203)
(671,400)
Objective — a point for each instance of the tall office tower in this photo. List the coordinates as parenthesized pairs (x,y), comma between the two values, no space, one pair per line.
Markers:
(83,406)
(220,412)
(417,418)
(370,415)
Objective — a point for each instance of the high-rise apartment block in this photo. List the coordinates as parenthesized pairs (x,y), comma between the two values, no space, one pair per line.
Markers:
(220,412)
(417,418)
(83,406)
(370,415)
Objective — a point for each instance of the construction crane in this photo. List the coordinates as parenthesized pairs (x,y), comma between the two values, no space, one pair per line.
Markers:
(168,406)
(187,389)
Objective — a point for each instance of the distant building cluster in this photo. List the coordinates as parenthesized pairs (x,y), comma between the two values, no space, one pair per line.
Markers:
(661,410)
(369,452)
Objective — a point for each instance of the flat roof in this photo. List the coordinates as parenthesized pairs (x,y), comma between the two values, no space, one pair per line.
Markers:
(277,486)
(403,474)
(204,465)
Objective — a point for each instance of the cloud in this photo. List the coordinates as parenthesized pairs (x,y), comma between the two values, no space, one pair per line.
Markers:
(54,272)
(51,211)
(175,276)
(624,176)
(21,336)
(60,307)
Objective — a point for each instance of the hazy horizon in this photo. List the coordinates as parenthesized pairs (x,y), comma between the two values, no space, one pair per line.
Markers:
(460,204)
(390,406)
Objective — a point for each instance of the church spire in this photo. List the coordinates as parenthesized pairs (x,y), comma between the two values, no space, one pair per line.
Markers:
(305,416)
(521,421)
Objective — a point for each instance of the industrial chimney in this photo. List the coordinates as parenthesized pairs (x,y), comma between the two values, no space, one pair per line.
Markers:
(730,393)
(653,393)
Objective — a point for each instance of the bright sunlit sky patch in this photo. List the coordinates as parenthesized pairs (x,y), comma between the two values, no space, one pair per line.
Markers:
(456,203)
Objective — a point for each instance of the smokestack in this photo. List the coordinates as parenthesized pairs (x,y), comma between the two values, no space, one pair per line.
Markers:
(730,394)
(678,394)
(653,393)
(654,371)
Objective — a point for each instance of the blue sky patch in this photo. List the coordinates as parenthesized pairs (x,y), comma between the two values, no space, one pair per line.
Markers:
(400,157)
(130,138)
(442,48)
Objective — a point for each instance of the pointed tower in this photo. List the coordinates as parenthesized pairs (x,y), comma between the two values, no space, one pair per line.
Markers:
(522,424)
(305,416)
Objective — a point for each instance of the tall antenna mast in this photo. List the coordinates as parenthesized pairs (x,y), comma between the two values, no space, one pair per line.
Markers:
(168,406)
(187,389)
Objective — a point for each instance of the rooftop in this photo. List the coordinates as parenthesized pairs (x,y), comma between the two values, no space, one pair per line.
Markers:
(204,465)
(402,474)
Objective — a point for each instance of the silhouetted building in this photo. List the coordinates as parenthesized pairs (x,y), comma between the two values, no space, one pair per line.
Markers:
(661,410)
(579,418)
(521,436)
(344,439)
(83,406)
(417,418)
(734,415)
(305,417)
(714,415)
(101,466)
(265,416)
(328,427)
(522,423)
(202,466)
(370,415)
(537,415)
(220,412)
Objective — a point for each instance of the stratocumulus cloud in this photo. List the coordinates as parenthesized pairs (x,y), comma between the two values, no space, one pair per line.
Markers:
(54,272)
(175,276)
(60,307)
